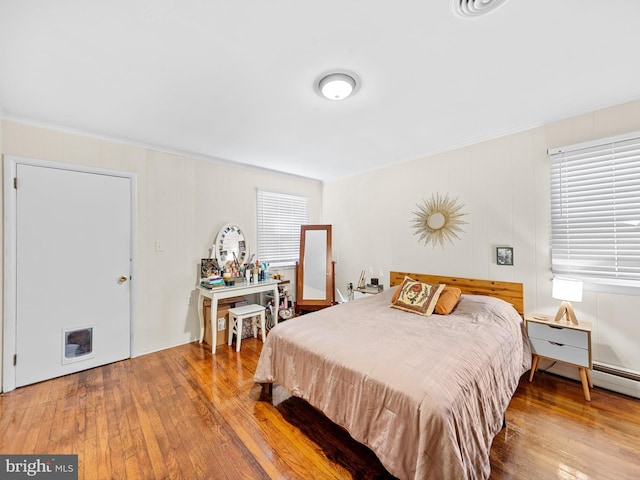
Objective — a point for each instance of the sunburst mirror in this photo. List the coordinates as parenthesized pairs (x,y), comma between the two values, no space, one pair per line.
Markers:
(438,220)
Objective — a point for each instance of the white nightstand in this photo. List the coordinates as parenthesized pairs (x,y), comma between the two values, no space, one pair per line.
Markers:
(563,342)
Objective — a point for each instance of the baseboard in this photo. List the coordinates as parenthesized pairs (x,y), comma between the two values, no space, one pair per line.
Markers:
(600,379)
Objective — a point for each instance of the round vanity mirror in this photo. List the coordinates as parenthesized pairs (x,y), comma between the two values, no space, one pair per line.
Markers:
(231,247)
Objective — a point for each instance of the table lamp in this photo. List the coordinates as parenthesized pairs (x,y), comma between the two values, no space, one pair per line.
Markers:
(568,291)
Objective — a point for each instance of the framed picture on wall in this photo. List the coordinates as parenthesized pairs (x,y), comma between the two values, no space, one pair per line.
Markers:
(504,255)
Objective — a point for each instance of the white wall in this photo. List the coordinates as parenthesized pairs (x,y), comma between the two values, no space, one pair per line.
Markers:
(504,185)
(182,203)
(1,256)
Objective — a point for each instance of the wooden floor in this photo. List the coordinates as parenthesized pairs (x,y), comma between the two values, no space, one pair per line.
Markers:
(183,414)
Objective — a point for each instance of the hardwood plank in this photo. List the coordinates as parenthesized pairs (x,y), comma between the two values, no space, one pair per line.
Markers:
(184,414)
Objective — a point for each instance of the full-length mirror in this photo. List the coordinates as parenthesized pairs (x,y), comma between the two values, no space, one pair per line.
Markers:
(315,282)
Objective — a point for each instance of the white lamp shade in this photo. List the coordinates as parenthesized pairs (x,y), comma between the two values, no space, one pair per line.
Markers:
(337,86)
(567,289)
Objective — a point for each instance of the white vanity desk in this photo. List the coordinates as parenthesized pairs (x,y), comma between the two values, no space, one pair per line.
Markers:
(240,288)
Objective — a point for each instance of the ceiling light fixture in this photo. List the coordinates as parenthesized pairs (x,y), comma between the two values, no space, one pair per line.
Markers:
(474,8)
(337,86)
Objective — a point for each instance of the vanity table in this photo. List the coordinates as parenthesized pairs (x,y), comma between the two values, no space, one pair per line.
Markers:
(239,289)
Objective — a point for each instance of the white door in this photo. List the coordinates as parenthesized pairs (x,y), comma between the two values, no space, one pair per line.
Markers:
(73,256)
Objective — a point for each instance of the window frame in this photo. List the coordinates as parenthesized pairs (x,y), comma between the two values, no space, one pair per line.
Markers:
(593,209)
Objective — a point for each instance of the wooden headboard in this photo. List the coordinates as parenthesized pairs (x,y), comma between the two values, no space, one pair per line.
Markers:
(508,291)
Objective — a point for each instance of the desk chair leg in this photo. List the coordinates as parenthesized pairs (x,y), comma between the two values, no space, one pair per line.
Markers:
(263,322)
(239,334)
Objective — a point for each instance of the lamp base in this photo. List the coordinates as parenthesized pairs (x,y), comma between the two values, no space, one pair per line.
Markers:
(566,309)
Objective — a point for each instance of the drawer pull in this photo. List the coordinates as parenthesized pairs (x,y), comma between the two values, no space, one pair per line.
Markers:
(557,328)
(557,344)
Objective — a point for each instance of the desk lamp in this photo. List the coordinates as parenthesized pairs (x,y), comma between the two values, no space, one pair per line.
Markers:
(568,291)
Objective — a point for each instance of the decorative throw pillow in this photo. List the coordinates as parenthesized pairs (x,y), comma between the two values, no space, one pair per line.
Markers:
(416,297)
(447,300)
(396,294)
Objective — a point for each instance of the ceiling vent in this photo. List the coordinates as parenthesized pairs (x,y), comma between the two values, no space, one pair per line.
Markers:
(474,8)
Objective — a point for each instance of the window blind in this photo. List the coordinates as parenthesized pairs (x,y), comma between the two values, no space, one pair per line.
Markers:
(595,212)
(279,219)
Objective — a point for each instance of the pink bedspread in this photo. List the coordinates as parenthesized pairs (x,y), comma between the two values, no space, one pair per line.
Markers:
(426,394)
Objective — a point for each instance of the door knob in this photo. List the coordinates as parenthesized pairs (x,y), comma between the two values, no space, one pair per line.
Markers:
(122,279)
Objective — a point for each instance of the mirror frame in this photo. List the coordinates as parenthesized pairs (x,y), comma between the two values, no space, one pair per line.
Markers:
(217,246)
(449,219)
(329,298)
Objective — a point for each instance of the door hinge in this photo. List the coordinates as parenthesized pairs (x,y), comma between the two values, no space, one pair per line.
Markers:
(15,359)
(15,182)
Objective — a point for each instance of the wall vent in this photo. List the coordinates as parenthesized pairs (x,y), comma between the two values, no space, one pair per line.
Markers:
(474,8)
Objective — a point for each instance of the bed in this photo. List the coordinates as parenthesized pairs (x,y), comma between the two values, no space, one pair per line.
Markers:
(426,393)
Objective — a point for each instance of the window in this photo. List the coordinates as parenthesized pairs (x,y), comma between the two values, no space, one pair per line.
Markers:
(279,219)
(595,212)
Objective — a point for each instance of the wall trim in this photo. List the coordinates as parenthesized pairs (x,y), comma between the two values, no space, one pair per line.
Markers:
(156,148)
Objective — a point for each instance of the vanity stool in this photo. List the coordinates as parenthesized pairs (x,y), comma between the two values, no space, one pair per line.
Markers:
(236,315)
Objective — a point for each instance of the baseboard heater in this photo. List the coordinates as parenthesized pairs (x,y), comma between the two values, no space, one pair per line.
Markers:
(628,374)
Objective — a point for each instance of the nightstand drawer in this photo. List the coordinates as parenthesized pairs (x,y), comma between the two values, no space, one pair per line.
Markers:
(561,352)
(564,336)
